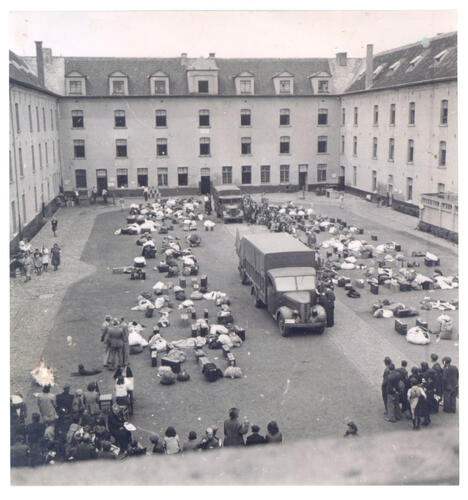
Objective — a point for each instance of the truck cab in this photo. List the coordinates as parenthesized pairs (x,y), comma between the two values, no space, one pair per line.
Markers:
(228,203)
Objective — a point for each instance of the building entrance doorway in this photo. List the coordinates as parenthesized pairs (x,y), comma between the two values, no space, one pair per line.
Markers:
(205,181)
(101,179)
(341,179)
(303,176)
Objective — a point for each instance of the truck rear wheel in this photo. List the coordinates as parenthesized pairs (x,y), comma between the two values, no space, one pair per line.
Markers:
(283,328)
(258,303)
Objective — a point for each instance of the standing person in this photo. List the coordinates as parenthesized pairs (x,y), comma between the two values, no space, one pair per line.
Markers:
(28,267)
(65,400)
(54,224)
(45,259)
(329,305)
(450,381)
(126,347)
(415,395)
(115,343)
(91,399)
(47,405)
(234,430)
(104,196)
(393,394)
(438,376)
(37,261)
(93,194)
(273,435)
(55,260)
(171,442)
(341,200)
(387,362)
(145,193)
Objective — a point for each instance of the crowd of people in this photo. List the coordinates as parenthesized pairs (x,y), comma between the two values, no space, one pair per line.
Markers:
(419,392)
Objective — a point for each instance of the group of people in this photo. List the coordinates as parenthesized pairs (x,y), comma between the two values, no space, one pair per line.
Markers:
(418,393)
(36,261)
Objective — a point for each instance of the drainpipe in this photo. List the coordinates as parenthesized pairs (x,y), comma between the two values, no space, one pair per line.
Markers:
(369,66)
(12,128)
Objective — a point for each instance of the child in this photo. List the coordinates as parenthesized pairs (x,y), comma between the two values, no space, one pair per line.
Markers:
(45,259)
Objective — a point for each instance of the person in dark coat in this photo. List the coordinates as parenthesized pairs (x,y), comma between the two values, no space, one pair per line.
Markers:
(329,306)
(450,381)
(393,394)
(387,362)
(19,453)
(55,256)
(106,452)
(35,439)
(116,427)
(255,437)
(438,380)
(64,399)
(54,224)
(234,430)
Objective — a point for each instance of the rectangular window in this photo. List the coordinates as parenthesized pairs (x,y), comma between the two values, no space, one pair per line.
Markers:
(182,176)
(442,154)
(35,199)
(80,179)
(44,120)
(14,223)
(354,176)
(142,177)
(53,151)
(122,177)
(227,175)
(121,148)
(40,156)
(77,118)
(321,173)
(374,148)
(119,118)
(162,177)
(322,144)
(161,118)
(18,127)
(410,151)
(46,155)
(285,117)
(204,118)
(161,147)
(354,146)
(245,86)
(20,161)
(78,148)
(444,112)
(392,114)
(11,167)
(203,86)
(245,117)
(343,143)
(33,160)
(409,189)
(118,87)
(412,113)
(23,201)
(391,149)
(285,86)
(246,145)
(323,86)
(343,116)
(38,123)
(160,86)
(75,87)
(204,146)
(30,118)
(51,119)
(284,173)
(322,117)
(246,174)
(374,180)
(265,174)
(441,187)
(376,114)
(356,112)
(284,145)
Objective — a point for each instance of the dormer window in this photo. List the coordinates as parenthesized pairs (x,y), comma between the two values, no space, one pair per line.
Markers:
(244,83)
(320,82)
(159,83)
(323,87)
(438,58)
(118,83)
(284,83)
(245,87)
(285,86)
(75,83)
(378,70)
(395,66)
(414,62)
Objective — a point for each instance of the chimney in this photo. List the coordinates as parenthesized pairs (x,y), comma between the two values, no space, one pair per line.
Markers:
(47,55)
(40,63)
(341,58)
(183,58)
(369,66)
(212,55)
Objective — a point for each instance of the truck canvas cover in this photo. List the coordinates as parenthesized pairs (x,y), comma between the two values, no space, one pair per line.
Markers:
(267,251)
(227,190)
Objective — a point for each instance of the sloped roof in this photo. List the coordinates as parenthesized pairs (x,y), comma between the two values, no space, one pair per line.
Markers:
(21,72)
(96,70)
(426,70)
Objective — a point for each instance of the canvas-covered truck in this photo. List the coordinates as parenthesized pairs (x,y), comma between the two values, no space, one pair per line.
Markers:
(281,272)
(228,202)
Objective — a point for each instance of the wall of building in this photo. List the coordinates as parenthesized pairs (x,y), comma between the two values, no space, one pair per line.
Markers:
(32,187)
(426,134)
(183,135)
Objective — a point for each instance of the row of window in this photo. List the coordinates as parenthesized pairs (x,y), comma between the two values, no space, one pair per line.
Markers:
(121,150)
(182,176)
(33,159)
(392,114)
(442,156)
(37,120)
(203,118)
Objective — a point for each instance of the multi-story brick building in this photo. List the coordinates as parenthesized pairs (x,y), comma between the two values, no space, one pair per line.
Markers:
(384,125)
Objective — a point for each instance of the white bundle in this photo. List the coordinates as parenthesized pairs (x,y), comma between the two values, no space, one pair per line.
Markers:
(417,335)
(134,338)
(159,286)
(218,329)
(209,223)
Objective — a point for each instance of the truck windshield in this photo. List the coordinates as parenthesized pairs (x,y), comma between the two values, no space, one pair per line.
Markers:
(230,201)
(292,283)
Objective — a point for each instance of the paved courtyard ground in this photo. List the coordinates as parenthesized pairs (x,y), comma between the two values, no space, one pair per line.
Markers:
(311,384)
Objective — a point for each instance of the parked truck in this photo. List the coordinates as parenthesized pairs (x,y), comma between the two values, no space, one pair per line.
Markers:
(228,202)
(281,272)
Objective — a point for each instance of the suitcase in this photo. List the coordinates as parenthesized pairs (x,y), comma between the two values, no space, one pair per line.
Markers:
(225,319)
(231,359)
(421,323)
(194,330)
(431,263)
(374,237)
(374,288)
(344,224)
(162,267)
(360,231)
(193,314)
(397,248)
(205,313)
(204,330)
(403,313)
(401,327)
(154,358)
(174,365)
(204,281)
(427,285)
(332,220)
(211,372)
(182,282)
(240,332)
(405,287)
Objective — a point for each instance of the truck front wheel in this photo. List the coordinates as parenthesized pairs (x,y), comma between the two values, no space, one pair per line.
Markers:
(283,328)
